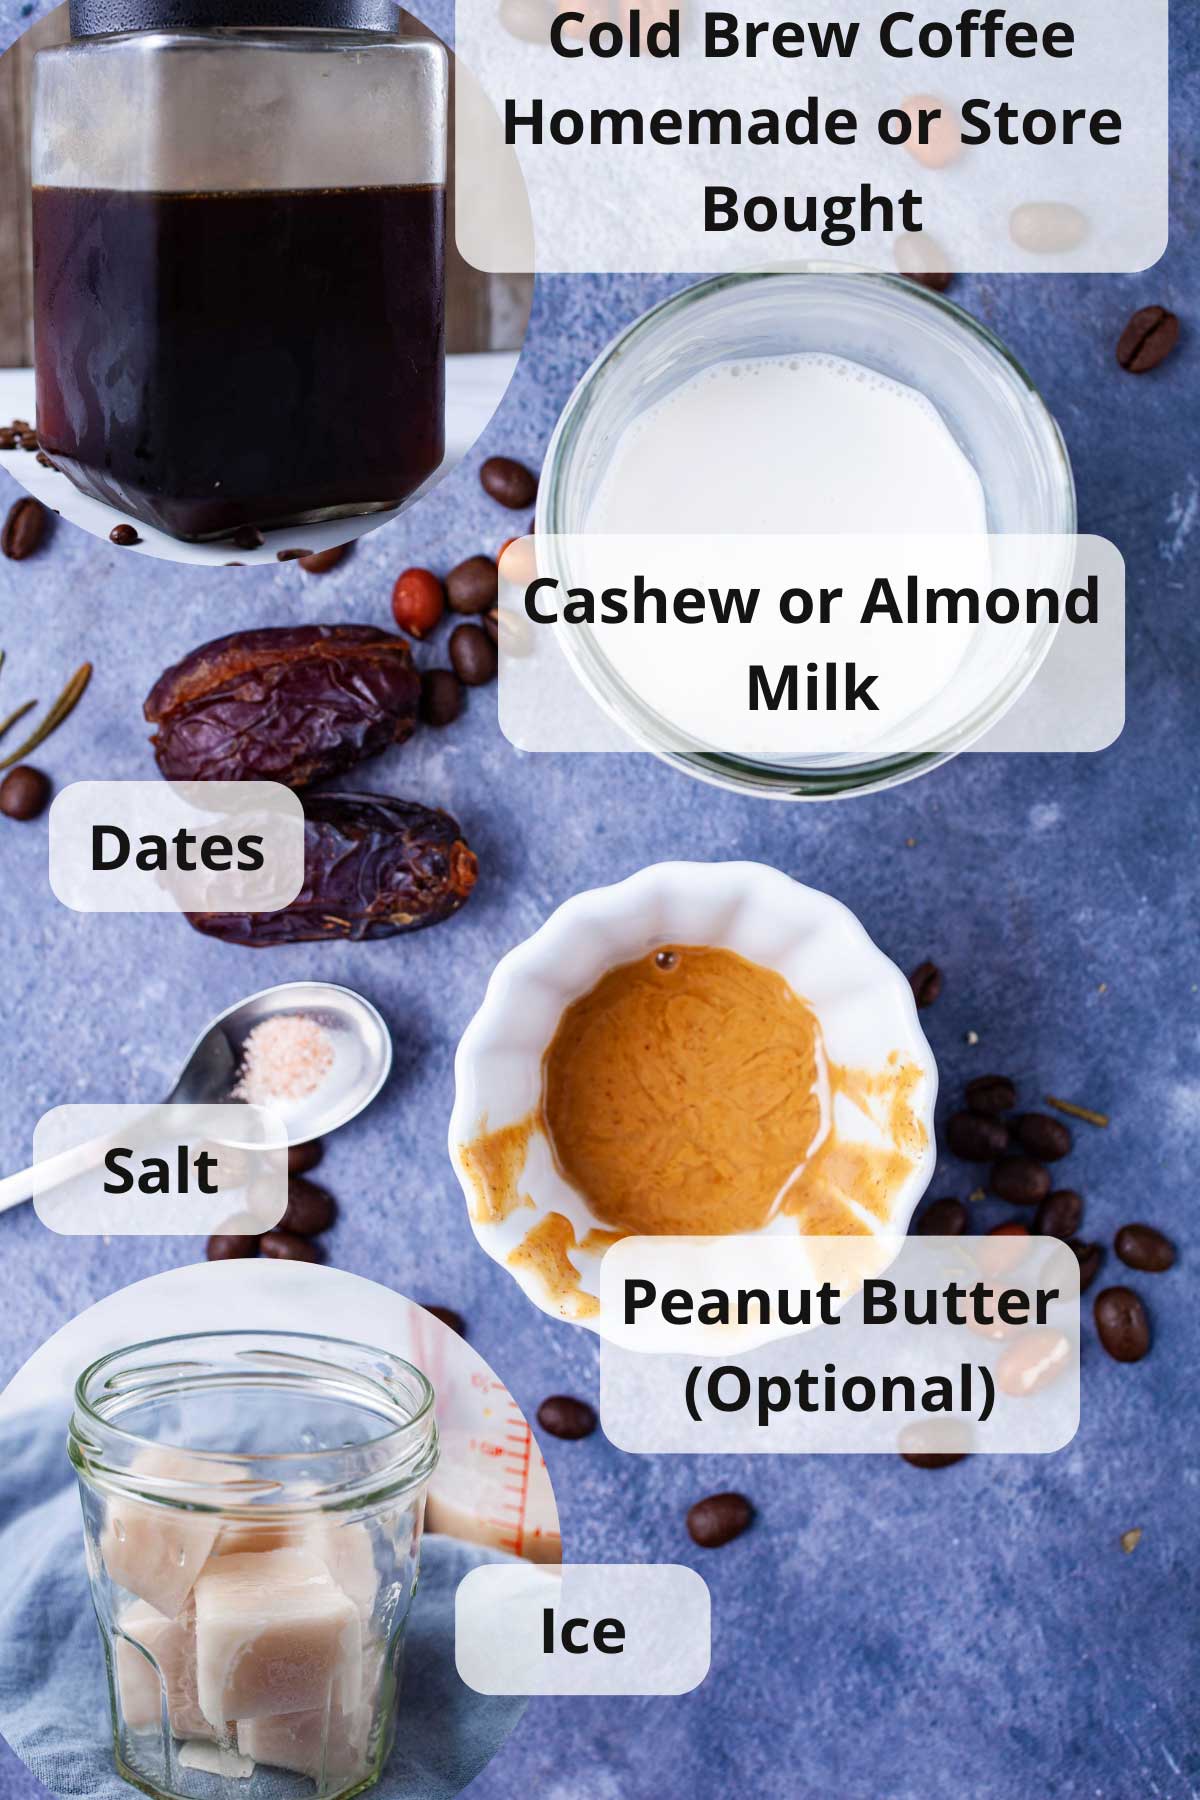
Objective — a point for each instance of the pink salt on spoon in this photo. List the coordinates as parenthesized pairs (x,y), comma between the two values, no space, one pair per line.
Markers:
(360,1046)
(286,1057)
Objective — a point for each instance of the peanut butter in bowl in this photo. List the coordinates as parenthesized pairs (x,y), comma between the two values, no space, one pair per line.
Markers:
(769,1077)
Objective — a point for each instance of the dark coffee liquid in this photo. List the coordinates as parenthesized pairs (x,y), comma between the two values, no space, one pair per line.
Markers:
(209,361)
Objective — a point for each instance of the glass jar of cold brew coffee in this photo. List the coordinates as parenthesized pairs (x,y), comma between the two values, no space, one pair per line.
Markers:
(238,215)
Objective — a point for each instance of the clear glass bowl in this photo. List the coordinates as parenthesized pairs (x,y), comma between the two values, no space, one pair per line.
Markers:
(252,1507)
(883,322)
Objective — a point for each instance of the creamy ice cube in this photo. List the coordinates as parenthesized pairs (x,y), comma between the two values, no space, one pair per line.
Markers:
(157,1656)
(334,1742)
(274,1635)
(349,1555)
(238,1537)
(345,1549)
(215,1759)
(155,1551)
(300,1742)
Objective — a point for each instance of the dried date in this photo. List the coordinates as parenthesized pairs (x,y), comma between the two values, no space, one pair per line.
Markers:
(292,703)
(373,867)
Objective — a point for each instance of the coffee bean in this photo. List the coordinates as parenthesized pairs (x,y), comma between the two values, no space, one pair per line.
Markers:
(1041,1136)
(718,1519)
(1060,1214)
(28,440)
(1047,227)
(124,536)
(291,555)
(23,792)
(510,631)
(1142,1247)
(528,20)
(943,1218)
(319,562)
(920,258)
(564,1417)
(441,696)
(926,983)
(936,141)
(1035,1361)
(1089,1258)
(473,586)
(301,1158)
(247,537)
(24,529)
(449,1317)
(1005,1249)
(1121,1324)
(44,460)
(930,1444)
(509,482)
(19,425)
(1150,336)
(288,1246)
(227,1249)
(990,1094)
(418,602)
(310,1209)
(1020,1180)
(975,1137)
(8,438)
(474,655)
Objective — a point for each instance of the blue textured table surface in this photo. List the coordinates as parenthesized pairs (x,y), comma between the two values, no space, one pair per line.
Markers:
(880,1633)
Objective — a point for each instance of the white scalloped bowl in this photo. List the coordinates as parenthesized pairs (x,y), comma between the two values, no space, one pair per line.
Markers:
(863,1003)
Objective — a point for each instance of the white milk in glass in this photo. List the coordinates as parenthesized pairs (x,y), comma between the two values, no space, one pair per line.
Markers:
(807,443)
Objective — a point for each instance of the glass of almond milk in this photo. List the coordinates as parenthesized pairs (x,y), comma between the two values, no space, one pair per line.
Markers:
(813,401)
(253,1505)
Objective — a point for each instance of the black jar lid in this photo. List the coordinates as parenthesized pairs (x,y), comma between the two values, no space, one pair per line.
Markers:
(100,18)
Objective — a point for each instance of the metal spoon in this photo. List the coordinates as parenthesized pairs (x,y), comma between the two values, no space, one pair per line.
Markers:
(362,1061)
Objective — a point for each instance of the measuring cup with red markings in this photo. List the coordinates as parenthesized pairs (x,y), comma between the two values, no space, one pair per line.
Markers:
(491,1485)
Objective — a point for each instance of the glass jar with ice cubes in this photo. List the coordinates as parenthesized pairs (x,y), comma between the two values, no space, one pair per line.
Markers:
(252,1505)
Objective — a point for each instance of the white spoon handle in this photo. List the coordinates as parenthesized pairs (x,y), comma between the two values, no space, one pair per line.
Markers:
(16,1189)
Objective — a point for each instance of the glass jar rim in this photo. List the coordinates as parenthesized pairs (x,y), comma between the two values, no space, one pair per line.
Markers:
(106,1453)
(902,285)
(818,777)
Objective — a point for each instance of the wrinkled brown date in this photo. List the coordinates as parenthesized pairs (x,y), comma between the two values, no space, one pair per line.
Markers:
(291,703)
(373,867)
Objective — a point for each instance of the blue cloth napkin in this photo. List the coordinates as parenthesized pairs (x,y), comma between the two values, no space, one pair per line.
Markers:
(53,1695)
